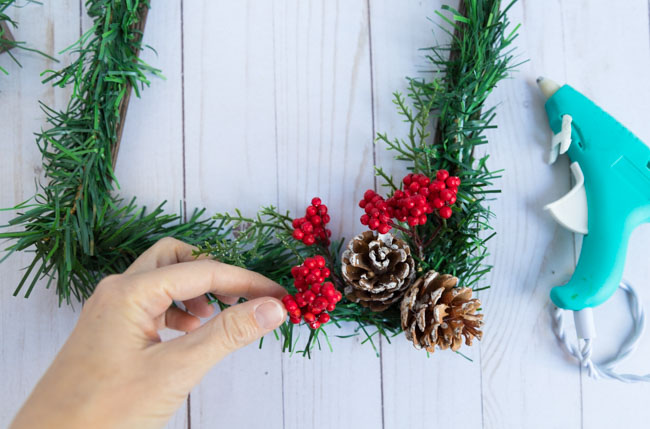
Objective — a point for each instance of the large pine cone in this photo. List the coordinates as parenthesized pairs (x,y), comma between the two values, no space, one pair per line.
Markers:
(377,270)
(435,312)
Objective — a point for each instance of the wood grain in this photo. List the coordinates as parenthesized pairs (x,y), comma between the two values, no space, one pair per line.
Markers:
(324,137)
(519,357)
(618,87)
(276,102)
(31,330)
(230,162)
(150,164)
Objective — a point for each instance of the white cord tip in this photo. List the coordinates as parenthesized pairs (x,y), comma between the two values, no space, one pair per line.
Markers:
(584,321)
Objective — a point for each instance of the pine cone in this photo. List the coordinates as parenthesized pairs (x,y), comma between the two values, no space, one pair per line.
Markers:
(377,270)
(435,312)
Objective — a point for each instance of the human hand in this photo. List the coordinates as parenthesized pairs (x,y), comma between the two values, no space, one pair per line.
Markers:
(114,371)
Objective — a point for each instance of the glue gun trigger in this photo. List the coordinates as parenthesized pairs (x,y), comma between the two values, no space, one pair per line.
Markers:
(570,211)
(561,141)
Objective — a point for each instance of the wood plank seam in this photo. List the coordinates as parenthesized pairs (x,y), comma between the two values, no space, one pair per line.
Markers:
(374,178)
(184,167)
(277,181)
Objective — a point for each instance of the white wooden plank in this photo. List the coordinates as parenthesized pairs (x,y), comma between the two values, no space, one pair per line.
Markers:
(609,75)
(416,388)
(526,382)
(150,162)
(31,330)
(231,163)
(324,129)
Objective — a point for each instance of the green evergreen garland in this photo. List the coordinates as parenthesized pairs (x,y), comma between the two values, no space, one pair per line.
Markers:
(80,230)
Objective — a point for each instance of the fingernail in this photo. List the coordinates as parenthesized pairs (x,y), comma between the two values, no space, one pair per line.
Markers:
(269,315)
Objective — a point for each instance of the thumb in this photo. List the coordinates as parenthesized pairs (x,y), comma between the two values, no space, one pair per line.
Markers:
(232,329)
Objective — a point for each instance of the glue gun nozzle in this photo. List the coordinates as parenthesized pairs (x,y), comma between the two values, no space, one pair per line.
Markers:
(547,86)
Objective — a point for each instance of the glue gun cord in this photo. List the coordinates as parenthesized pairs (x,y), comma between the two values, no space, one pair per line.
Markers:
(583,354)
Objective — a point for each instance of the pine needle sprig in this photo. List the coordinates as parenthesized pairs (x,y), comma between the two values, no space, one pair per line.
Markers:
(7,41)
(464,73)
(77,227)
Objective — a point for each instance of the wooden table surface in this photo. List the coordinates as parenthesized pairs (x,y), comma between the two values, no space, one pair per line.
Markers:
(273,102)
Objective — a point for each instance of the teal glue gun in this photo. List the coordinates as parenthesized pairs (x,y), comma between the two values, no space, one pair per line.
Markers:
(610,198)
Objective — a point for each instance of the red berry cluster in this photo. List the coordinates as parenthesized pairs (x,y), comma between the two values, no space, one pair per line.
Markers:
(421,196)
(311,228)
(378,213)
(315,296)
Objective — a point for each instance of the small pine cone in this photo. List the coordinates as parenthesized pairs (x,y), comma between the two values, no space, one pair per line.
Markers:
(435,312)
(377,268)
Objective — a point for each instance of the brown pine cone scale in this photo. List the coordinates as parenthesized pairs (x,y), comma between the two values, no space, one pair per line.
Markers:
(435,312)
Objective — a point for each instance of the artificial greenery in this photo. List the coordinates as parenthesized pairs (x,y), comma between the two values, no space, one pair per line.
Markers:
(80,230)
(7,41)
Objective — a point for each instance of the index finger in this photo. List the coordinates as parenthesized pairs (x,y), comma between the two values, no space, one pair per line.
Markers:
(166,251)
(155,290)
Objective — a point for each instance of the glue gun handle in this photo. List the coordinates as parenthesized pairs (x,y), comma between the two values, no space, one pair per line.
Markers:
(600,266)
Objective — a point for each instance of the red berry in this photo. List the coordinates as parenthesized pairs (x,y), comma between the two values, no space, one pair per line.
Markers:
(423,219)
(369,194)
(331,306)
(314,325)
(424,180)
(414,186)
(445,212)
(374,223)
(446,194)
(309,296)
(309,317)
(416,212)
(383,228)
(407,179)
(442,175)
(325,272)
(339,296)
(322,210)
(296,222)
(438,203)
(294,320)
(307,227)
(363,203)
(412,221)
(321,302)
(326,218)
(324,318)
(314,310)
(315,220)
(315,201)
(309,240)
(437,186)
(452,200)
(298,234)
(310,263)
